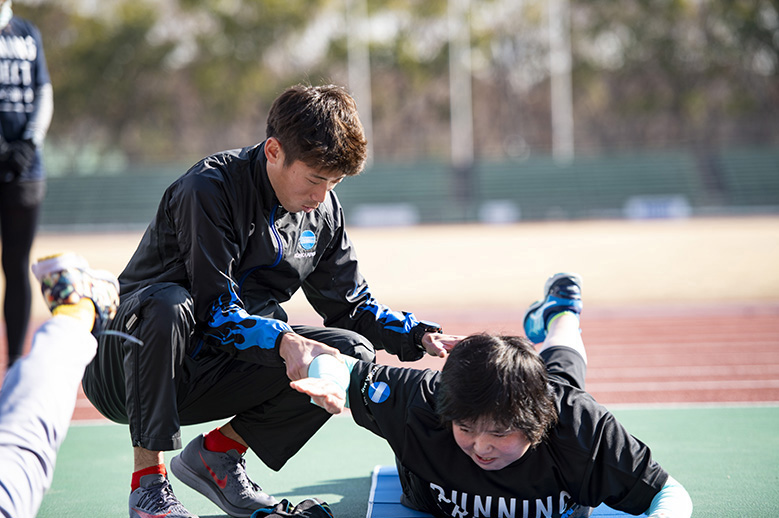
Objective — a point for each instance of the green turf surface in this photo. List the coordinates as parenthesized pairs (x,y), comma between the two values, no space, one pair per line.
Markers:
(726,457)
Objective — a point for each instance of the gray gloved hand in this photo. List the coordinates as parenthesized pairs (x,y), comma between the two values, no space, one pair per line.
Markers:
(5,150)
(21,154)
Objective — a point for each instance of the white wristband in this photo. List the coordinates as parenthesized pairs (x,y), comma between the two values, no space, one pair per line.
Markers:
(327,366)
(671,502)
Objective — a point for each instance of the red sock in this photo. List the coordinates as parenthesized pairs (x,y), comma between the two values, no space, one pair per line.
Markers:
(215,440)
(136,482)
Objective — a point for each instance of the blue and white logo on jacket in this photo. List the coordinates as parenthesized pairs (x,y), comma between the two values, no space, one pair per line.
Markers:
(378,392)
(307,240)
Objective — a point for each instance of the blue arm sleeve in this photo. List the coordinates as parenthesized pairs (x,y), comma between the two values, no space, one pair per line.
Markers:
(671,502)
(230,324)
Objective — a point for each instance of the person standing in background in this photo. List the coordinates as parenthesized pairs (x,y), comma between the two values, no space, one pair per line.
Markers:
(26,107)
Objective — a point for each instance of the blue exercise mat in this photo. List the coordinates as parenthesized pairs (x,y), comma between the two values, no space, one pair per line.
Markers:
(384,500)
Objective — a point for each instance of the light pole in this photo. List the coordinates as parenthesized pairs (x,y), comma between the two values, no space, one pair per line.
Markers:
(359,65)
(560,78)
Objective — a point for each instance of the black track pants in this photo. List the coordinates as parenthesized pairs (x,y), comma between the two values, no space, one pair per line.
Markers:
(159,386)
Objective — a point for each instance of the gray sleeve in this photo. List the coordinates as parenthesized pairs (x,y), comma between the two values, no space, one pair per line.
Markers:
(40,118)
(36,405)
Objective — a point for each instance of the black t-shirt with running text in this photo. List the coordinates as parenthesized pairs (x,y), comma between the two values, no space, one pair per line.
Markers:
(586,459)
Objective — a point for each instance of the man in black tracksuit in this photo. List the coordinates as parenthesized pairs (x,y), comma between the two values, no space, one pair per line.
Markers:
(233,238)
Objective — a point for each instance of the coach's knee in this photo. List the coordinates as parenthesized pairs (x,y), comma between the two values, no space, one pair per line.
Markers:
(363,351)
(357,346)
(165,311)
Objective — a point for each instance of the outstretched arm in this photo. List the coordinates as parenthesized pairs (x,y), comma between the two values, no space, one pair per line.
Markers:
(328,382)
(338,291)
(439,344)
(671,502)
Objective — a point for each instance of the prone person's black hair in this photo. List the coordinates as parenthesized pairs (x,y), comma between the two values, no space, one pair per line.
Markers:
(500,379)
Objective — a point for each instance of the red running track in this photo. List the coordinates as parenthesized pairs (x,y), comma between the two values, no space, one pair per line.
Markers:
(722,354)
(664,355)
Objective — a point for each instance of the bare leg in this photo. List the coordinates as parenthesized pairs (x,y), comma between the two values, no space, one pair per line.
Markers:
(143,458)
(563,330)
(229,432)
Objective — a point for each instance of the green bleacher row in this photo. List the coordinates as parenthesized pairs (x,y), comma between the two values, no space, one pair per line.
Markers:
(538,188)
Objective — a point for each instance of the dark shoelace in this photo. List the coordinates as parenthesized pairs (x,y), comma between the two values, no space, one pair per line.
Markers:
(242,476)
(162,500)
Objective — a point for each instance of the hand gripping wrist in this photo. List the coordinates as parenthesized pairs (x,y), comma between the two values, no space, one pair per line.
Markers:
(422,328)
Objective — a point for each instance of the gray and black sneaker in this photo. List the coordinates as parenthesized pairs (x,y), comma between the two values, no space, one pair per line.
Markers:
(221,477)
(155,499)
(67,278)
(562,292)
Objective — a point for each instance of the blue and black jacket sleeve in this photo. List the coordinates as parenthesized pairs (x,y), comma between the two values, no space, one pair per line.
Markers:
(341,295)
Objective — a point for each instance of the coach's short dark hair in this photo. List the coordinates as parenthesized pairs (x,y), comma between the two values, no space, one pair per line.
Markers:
(319,126)
(498,378)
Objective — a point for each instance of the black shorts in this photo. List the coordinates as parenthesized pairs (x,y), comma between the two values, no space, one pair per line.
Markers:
(565,364)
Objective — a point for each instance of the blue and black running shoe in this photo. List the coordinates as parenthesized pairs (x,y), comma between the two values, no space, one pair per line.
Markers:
(562,292)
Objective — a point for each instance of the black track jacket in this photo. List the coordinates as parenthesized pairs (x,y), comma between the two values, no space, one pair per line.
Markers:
(221,233)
